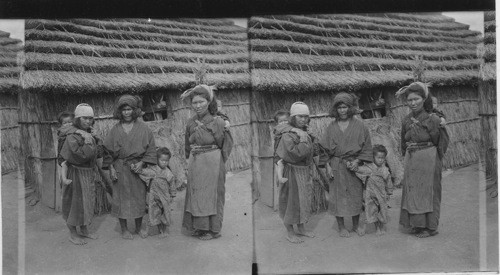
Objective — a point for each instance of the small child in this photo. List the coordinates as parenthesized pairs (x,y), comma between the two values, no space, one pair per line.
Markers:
(436,111)
(65,119)
(162,191)
(281,118)
(222,115)
(378,183)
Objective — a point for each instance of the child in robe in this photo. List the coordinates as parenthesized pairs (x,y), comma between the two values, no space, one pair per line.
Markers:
(162,191)
(222,115)
(66,128)
(281,118)
(377,180)
(435,110)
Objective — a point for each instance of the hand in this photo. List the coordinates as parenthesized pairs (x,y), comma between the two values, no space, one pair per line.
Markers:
(329,171)
(88,138)
(137,167)
(443,121)
(227,125)
(112,173)
(282,180)
(353,165)
(303,136)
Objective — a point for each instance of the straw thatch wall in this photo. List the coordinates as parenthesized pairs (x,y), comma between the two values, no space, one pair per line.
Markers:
(10,52)
(313,57)
(94,61)
(487,98)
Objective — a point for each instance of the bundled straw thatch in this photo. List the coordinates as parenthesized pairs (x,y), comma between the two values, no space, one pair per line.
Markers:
(10,51)
(84,60)
(311,58)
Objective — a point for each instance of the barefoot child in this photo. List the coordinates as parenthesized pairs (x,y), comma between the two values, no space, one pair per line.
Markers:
(65,119)
(281,118)
(377,179)
(162,191)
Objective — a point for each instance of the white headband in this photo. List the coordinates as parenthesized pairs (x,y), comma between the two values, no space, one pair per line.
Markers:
(84,110)
(299,108)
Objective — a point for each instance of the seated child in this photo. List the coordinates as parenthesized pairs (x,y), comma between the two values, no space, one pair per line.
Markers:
(222,115)
(378,183)
(436,111)
(162,191)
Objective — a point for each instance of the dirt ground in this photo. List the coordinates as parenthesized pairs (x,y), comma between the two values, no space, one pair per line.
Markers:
(47,250)
(455,248)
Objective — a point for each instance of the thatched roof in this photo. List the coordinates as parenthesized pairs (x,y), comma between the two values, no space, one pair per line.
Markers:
(347,52)
(10,49)
(133,55)
(488,52)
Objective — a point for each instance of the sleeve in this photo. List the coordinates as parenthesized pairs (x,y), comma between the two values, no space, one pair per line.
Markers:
(327,144)
(150,154)
(291,150)
(433,127)
(147,174)
(389,185)
(187,145)
(366,153)
(60,143)
(108,150)
(171,184)
(76,151)
(218,130)
(403,134)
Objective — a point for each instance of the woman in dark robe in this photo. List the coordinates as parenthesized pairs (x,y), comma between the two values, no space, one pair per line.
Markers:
(130,144)
(347,141)
(207,146)
(423,142)
(80,151)
(297,151)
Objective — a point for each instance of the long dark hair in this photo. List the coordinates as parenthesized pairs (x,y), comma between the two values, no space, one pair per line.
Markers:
(351,111)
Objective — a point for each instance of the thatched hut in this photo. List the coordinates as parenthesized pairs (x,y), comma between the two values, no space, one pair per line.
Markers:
(10,54)
(94,61)
(311,58)
(487,98)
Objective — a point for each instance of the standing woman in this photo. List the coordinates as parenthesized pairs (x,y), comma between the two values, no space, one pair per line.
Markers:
(297,151)
(423,142)
(80,153)
(348,143)
(130,144)
(207,146)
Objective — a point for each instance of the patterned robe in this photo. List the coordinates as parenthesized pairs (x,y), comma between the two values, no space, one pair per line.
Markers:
(205,192)
(79,196)
(421,198)
(346,190)
(129,192)
(378,184)
(161,193)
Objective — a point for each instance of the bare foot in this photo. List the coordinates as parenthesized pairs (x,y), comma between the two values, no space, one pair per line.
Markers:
(360,230)
(127,235)
(77,240)
(86,234)
(293,238)
(163,235)
(302,231)
(380,232)
(142,233)
(67,181)
(282,180)
(344,233)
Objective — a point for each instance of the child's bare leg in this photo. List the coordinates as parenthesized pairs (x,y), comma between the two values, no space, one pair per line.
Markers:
(74,237)
(342,230)
(357,226)
(138,228)
(302,231)
(64,174)
(291,237)
(125,232)
(163,231)
(86,234)
(380,228)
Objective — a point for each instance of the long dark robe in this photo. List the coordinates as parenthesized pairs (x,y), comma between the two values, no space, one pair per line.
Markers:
(79,196)
(346,190)
(205,192)
(421,198)
(295,195)
(129,192)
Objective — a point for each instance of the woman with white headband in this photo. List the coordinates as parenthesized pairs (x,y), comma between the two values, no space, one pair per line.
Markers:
(295,195)
(423,142)
(208,145)
(80,151)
